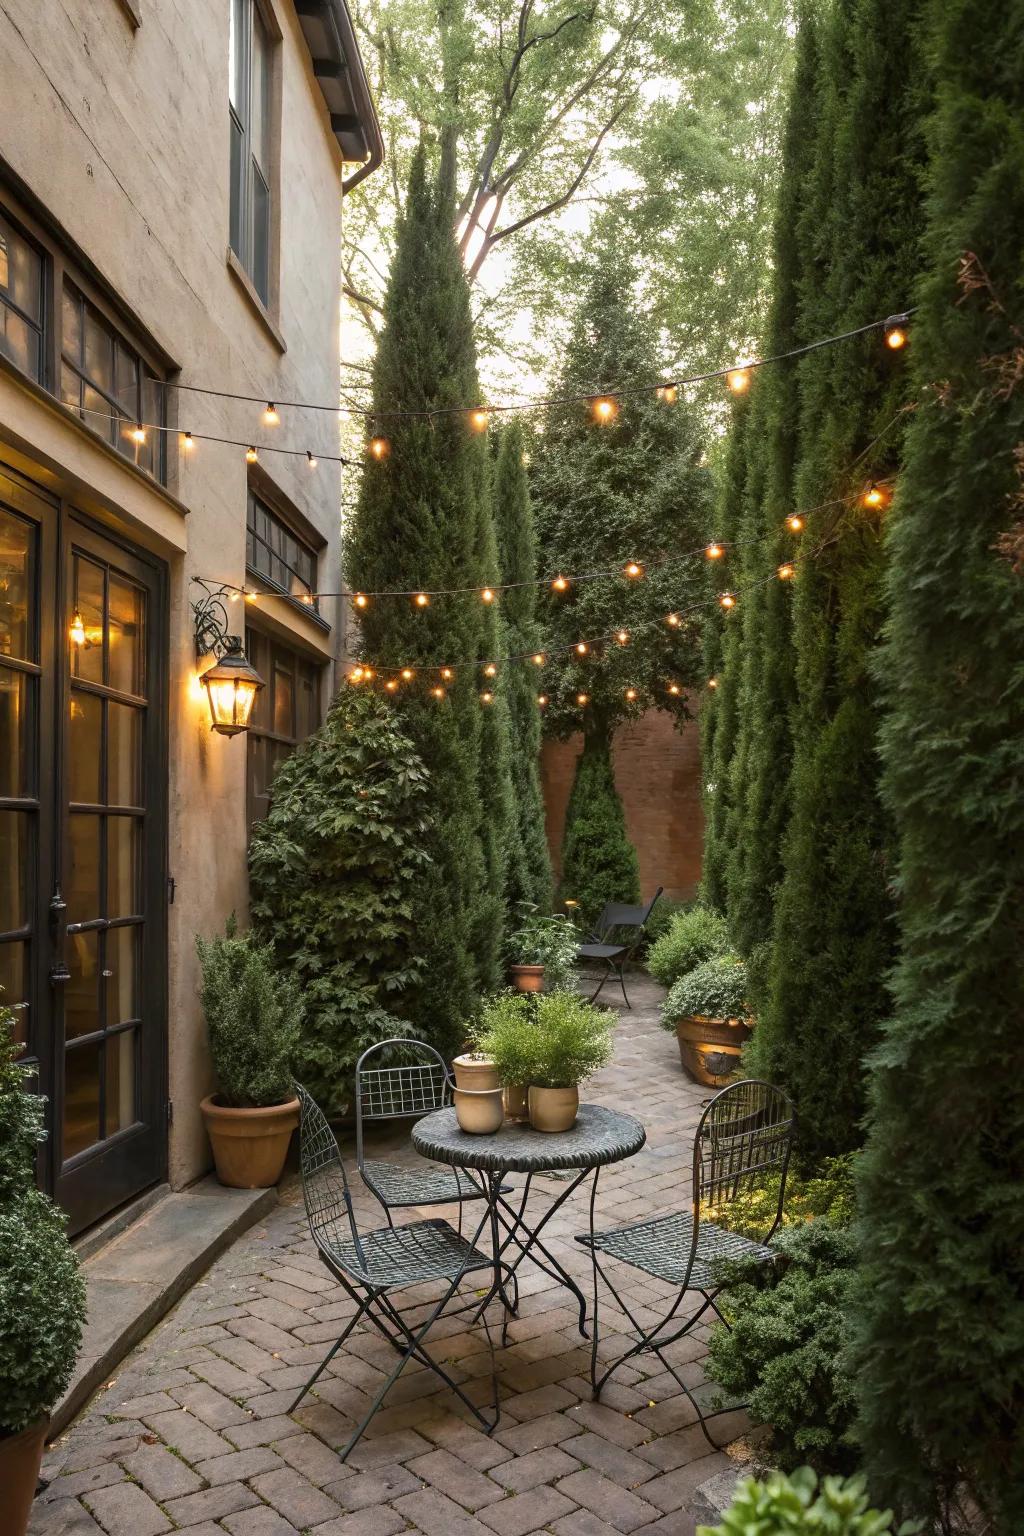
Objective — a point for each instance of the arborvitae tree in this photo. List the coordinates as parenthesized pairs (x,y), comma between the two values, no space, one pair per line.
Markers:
(599,863)
(527,862)
(629,488)
(940,1319)
(420,525)
(832,938)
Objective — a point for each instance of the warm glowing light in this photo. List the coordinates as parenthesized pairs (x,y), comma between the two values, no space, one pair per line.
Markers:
(605,409)
(795,523)
(669,393)
(631,694)
(369,674)
(138,433)
(738,379)
(311,459)
(356,675)
(674,689)
(250,597)
(361,600)
(421,600)
(896,332)
(622,636)
(582,699)
(487,596)
(408,674)
(231,686)
(876,497)
(270,416)
(538,658)
(712,682)
(378,447)
(490,670)
(187,441)
(479,419)
(633,569)
(391,685)
(307,598)
(542,699)
(559,584)
(437,693)
(76,633)
(673,620)
(582,648)
(251,455)
(487,698)
(447,674)
(727,600)
(786,572)
(714,551)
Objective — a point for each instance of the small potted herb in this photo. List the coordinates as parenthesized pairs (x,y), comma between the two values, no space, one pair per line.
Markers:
(42,1293)
(509,1035)
(708,1011)
(573,1041)
(252,1016)
(796,1505)
(542,951)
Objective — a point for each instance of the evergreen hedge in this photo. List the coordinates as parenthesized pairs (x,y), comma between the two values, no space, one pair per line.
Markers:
(599,863)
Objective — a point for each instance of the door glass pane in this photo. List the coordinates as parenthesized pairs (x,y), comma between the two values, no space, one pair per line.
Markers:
(82,992)
(82,887)
(17,587)
(87,604)
(120,1096)
(122,967)
(124,754)
(81,1099)
(122,866)
(127,636)
(14,984)
(85,747)
(16,692)
(14,837)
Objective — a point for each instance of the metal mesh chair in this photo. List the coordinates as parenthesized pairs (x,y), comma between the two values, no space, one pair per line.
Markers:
(405,1091)
(743,1142)
(613,942)
(372,1265)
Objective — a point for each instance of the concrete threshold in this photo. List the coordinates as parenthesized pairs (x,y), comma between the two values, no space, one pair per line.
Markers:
(134,1279)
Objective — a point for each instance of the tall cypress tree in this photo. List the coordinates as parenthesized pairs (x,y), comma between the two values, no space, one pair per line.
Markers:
(940,1315)
(832,937)
(420,524)
(527,863)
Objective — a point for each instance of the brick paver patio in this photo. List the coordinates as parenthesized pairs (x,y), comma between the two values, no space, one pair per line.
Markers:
(194,1432)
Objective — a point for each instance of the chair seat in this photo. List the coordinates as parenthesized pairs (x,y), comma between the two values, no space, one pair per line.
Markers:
(397,1256)
(602,951)
(662,1248)
(397,1184)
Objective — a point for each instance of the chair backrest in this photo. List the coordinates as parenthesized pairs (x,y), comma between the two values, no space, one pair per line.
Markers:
(324,1185)
(743,1142)
(617,915)
(413,1086)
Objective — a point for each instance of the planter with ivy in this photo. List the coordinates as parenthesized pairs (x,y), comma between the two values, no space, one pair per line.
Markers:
(252,1017)
(707,1009)
(542,951)
(42,1295)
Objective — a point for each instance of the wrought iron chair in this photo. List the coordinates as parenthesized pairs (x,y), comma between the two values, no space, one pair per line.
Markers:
(405,1092)
(606,943)
(370,1266)
(744,1138)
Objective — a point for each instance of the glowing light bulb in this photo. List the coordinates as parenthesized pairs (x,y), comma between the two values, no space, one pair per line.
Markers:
(559,584)
(251,456)
(738,379)
(187,442)
(437,693)
(479,418)
(875,497)
(712,682)
(631,694)
(786,572)
(307,598)
(487,698)
(76,633)
(368,674)
(391,685)
(622,636)
(490,670)
(542,699)
(633,569)
(673,620)
(582,699)
(487,596)
(447,674)
(674,689)
(538,658)
(582,648)
(361,600)
(408,674)
(895,332)
(251,597)
(727,600)
(604,409)
(421,600)
(311,459)
(669,393)
(795,523)
(378,447)
(356,675)
(138,433)
(714,551)
(270,416)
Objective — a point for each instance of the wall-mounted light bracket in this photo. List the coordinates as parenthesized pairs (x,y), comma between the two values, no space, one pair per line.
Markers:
(232,683)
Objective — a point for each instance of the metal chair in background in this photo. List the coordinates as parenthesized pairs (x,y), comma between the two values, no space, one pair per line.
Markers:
(607,945)
(743,1140)
(371,1266)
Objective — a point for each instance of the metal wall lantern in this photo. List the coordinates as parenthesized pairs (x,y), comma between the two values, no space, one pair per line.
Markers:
(232,683)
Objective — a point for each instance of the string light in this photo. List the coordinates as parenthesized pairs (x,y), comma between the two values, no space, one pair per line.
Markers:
(270,415)
(583,699)
(391,685)
(738,379)
(622,636)
(795,523)
(633,570)
(727,600)
(407,674)
(421,600)
(311,459)
(876,497)
(674,689)
(378,447)
(356,675)
(487,595)
(251,456)
(479,418)
(487,698)
(668,393)
(361,600)
(138,433)
(187,441)
(538,658)
(559,584)
(369,674)
(786,572)
(631,694)
(605,409)
(490,670)
(437,693)
(542,699)
(582,648)
(712,682)
(895,332)
(447,674)
(673,620)
(714,551)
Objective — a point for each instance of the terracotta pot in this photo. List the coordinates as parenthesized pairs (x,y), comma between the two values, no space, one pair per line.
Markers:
(516,1106)
(249,1145)
(477,1076)
(709,1049)
(527,978)
(20,1456)
(479,1111)
(553,1109)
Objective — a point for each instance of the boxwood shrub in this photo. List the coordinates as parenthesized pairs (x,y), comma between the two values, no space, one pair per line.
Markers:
(692,936)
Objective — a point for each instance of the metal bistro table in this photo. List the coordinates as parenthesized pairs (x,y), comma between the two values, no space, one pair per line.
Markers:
(600,1136)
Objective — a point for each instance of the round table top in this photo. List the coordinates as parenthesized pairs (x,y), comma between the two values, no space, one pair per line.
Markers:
(599,1136)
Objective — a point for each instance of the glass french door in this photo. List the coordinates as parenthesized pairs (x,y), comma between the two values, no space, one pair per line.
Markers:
(83,843)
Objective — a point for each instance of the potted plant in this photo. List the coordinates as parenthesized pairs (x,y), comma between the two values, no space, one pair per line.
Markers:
(252,1017)
(695,934)
(509,1035)
(573,1041)
(796,1505)
(42,1294)
(542,951)
(708,1011)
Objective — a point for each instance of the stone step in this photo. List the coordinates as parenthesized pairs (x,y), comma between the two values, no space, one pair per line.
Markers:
(133,1279)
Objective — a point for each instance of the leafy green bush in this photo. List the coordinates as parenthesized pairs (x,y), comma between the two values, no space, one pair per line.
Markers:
(336,886)
(660,920)
(574,1039)
(715,990)
(796,1506)
(42,1309)
(548,941)
(252,1016)
(829,1193)
(784,1352)
(21,1116)
(507,1033)
(599,862)
(693,936)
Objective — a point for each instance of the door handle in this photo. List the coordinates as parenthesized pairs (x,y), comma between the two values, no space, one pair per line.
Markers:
(59,974)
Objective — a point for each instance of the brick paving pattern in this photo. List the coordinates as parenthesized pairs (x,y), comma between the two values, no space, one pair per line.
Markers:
(194,1433)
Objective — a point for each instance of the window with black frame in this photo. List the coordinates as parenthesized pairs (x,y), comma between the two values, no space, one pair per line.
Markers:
(278,556)
(21,301)
(250,110)
(286,711)
(108,384)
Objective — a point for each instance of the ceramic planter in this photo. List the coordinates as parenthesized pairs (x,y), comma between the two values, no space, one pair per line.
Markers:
(516,1105)
(249,1145)
(527,978)
(553,1109)
(709,1049)
(477,1074)
(479,1111)
(20,1458)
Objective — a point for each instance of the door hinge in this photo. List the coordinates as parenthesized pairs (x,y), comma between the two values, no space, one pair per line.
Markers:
(169,1108)
(171,887)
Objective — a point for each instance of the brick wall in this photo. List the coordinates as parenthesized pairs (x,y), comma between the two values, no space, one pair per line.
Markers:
(657,771)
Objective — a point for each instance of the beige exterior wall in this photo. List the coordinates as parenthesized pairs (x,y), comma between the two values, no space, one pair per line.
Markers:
(121,133)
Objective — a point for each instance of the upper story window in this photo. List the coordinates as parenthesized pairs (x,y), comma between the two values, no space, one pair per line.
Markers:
(107,383)
(21,301)
(279,556)
(250,107)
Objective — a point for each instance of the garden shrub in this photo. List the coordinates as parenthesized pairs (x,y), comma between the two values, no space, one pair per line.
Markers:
(551,941)
(784,1353)
(599,863)
(336,882)
(828,1193)
(252,1018)
(699,933)
(798,1506)
(715,990)
(21,1118)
